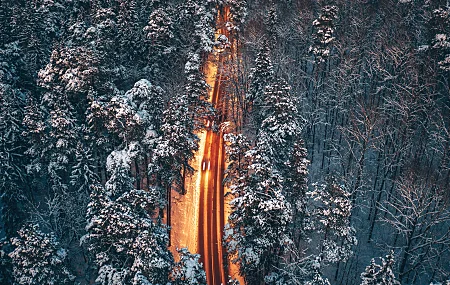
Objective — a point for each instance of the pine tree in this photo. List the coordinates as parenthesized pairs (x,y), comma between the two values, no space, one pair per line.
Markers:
(296,187)
(197,19)
(441,41)
(188,271)
(380,274)
(159,32)
(260,215)
(176,146)
(323,36)
(281,121)
(236,147)
(147,100)
(261,75)
(331,216)
(238,9)
(128,246)
(196,91)
(271,21)
(38,259)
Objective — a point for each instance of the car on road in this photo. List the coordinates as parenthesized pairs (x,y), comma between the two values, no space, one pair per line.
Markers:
(206,165)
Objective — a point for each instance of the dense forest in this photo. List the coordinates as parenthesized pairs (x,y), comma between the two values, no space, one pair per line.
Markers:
(336,117)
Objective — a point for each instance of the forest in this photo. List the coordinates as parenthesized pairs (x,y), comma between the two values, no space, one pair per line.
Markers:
(335,117)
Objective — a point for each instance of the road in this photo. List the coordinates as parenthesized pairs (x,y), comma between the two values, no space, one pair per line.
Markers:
(198,217)
(211,212)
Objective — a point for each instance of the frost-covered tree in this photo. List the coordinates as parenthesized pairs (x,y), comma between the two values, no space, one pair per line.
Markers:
(236,147)
(298,270)
(84,171)
(271,21)
(238,11)
(280,119)
(159,32)
(196,91)
(417,213)
(257,229)
(296,187)
(122,121)
(331,217)
(324,30)
(188,271)
(147,100)
(38,258)
(261,75)
(198,22)
(127,245)
(383,274)
(176,146)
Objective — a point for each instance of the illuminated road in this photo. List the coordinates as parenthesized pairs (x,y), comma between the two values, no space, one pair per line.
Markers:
(198,217)
(211,208)
(211,212)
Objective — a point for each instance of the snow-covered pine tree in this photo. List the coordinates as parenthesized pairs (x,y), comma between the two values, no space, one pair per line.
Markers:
(38,259)
(128,246)
(188,271)
(238,11)
(260,215)
(369,275)
(380,274)
(147,100)
(122,121)
(176,146)
(331,217)
(196,91)
(441,41)
(323,36)
(299,270)
(296,187)
(261,75)
(236,147)
(197,30)
(159,32)
(84,171)
(281,121)
(271,21)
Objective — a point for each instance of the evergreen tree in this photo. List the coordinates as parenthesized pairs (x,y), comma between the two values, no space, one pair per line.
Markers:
(176,146)
(331,216)
(38,259)
(196,91)
(380,274)
(159,33)
(271,21)
(188,271)
(441,41)
(261,75)
(323,36)
(305,271)
(281,121)
(238,10)
(236,148)
(296,184)
(128,246)
(260,215)
(197,20)
(147,100)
